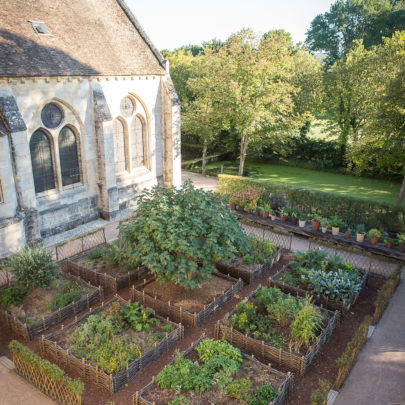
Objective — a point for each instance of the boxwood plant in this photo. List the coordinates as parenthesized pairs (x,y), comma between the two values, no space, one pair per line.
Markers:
(178,233)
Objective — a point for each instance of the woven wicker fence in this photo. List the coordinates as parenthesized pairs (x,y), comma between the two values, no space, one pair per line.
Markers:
(45,383)
(283,390)
(266,352)
(92,373)
(385,293)
(177,313)
(248,276)
(31,331)
(110,284)
(353,348)
(340,305)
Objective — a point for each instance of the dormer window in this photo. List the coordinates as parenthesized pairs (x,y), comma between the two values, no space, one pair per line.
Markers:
(40,28)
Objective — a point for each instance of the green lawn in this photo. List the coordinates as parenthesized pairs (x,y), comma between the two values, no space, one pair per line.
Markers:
(370,189)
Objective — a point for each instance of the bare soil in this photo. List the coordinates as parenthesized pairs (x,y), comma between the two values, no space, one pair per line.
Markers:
(258,374)
(189,300)
(323,366)
(103,266)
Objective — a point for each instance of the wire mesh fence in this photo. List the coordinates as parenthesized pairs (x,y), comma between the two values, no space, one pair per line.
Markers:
(280,239)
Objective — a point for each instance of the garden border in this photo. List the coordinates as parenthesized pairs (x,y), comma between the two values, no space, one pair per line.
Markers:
(246,275)
(110,284)
(93,374)
(283,390)
(263,350)
(340,305)
(31,331)
(177,313)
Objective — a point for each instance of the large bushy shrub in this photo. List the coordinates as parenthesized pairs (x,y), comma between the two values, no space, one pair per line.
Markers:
(179,234)
(32,267)
(351,210)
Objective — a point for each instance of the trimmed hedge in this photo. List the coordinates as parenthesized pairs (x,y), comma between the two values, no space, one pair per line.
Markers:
(75,386)
(351,210)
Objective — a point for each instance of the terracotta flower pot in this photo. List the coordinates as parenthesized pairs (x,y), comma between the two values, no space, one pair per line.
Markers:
(348,234)
(374,240)
(265,214)
(294,220)
(360,237)
(249,211)
(335,230)
(233,206)
(402,247)
(273,217)
(324,229)
(315,225)
(283,218)
(389,245)
(301,223)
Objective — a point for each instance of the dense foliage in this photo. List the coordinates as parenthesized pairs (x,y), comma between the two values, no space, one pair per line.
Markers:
(218,362)
(68,292)
(179,234)
(102,339)
(32,267)
(328,277)
(271,313)
(259,251)
(74,387)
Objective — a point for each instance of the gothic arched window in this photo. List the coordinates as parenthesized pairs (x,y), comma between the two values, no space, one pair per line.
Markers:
(138,142)
(119,146)
(69,159)
(42,164)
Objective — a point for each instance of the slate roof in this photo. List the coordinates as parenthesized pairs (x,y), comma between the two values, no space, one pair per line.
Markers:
(88,37)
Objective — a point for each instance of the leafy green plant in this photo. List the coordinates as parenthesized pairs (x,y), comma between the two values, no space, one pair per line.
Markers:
(307,322)
(32,267)
(12,296)
(260,251)
(238,389)
(180,401)
(68,292)
(335,221)
(374,233)
(401,237)
(75,387)
(320,395)
(178,233)
(324,222)
(140,319)
(262,395)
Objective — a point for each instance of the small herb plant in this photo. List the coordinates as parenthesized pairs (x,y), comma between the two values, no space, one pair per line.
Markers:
(271,313)
(335,221)
(374,233)
(260,251)
(102,338)
(401,237)
(217,363)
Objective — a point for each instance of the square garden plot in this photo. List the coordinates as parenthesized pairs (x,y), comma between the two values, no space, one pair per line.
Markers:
(108,346)
(278,328)
(191,307)
(230,378)
(44,308)
(248,272)
(331,282)
(99,271)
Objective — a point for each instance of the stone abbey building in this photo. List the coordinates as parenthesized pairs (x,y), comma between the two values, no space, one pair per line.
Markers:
(88,116)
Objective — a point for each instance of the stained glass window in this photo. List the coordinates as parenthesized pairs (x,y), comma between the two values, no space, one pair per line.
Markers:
(69,160)
(119,146)
(138,142)
(41,159)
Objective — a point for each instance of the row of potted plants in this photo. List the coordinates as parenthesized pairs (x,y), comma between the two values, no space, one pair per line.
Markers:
(319,223)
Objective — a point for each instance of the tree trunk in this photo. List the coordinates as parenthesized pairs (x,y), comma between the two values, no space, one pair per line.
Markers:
(204,157)
(243,150)
(401,192)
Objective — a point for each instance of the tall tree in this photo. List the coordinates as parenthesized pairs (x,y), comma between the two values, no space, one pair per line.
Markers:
(382,140)
(257,71)
(348,20)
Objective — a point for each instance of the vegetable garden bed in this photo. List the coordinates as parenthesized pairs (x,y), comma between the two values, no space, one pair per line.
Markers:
(19,327)
(247,272)
(110,372)
(286,276)
(111,278)
(190,308)
(286,357)
(251,377)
